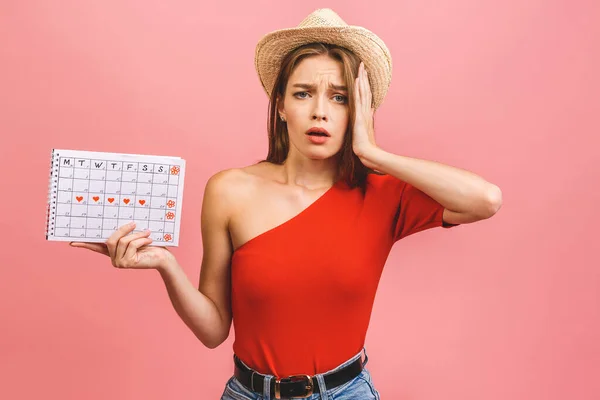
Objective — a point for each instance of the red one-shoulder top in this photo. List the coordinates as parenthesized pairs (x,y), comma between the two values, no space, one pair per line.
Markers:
(302,292)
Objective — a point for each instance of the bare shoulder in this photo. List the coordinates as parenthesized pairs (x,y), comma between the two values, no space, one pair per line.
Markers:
(233,185)
(227,183)
(224,184)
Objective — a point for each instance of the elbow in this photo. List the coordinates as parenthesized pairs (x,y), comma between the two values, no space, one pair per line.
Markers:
(493,200)
(211,343)
(215,341)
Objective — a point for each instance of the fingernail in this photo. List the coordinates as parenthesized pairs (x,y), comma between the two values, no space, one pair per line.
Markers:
(132,223)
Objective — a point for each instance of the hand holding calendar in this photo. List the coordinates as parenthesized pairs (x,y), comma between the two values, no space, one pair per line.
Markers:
(130,251)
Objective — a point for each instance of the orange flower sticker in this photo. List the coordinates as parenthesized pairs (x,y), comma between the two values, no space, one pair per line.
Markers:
(170,204)
(168,237)
(175,170)
(170,215)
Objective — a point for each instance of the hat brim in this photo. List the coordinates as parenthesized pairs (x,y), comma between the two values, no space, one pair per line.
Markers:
(273,47)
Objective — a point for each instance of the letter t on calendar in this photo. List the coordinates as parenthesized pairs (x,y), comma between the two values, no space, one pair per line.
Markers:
(92,194)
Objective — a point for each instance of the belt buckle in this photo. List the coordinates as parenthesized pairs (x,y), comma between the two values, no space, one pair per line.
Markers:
(295,378)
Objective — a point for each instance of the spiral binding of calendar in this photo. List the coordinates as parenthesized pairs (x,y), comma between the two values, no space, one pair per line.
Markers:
(52,195)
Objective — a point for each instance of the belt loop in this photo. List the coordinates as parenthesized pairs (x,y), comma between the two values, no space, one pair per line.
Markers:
(323,389)
(366,357)
(267,387)
(252,381)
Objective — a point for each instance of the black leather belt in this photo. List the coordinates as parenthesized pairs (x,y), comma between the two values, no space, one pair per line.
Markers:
(295,386)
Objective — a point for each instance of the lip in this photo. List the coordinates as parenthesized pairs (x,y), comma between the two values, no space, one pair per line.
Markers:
(318,129)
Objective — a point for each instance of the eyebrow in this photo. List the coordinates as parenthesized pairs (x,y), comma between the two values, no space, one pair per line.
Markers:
(310,87)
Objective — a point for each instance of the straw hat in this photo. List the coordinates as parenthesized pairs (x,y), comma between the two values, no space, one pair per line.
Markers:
(325,26)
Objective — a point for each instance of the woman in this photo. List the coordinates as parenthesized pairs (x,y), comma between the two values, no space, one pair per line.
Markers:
(294,246)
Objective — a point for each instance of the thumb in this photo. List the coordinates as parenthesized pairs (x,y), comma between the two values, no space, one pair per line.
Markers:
(97,247)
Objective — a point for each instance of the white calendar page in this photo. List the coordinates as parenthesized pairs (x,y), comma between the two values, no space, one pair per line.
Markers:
(92,194)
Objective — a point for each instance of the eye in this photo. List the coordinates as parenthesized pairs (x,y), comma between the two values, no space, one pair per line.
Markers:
(297,94)
(339,98)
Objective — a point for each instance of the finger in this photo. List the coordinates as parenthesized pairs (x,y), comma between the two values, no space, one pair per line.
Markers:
(130,258)
(368,89)
(358,115)
(97,247)
(124,244)
(357,95)
(365,90)
(113,240)
(360,83)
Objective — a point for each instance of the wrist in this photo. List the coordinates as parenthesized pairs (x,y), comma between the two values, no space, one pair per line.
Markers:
(371,156)
(168,264)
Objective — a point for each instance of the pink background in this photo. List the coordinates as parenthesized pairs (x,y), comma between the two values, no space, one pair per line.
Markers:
(508,308)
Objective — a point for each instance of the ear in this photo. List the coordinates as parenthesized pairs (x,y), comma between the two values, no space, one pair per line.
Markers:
(281,108)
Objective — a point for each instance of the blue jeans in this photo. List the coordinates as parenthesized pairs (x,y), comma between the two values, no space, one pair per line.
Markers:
(361,387)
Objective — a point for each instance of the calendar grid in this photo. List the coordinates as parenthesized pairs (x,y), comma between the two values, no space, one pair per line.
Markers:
(104,204)
(120,194)
(152,189)
(87,207)
(71,206)
(164,221)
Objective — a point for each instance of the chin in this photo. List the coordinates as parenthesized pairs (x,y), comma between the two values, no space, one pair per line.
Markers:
(320,154)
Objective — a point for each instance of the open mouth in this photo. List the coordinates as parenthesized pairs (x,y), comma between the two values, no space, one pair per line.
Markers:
(318,132)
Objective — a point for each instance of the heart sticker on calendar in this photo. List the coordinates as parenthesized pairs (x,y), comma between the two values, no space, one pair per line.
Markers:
(142,202)
(126,201)
(79,198)
(96,198)
(111,199)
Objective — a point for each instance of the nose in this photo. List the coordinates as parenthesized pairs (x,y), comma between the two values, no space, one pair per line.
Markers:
(319,112)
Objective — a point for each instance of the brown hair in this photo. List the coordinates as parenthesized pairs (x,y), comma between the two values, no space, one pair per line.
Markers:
(350,169)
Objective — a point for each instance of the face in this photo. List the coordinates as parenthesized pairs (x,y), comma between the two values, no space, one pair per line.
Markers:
(316,97)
